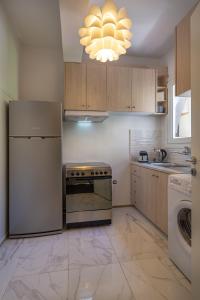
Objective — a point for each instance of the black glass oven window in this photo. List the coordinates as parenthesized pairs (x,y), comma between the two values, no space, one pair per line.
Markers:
(87,194)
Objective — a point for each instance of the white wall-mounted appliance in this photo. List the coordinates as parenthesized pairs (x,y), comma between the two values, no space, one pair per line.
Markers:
(86,116)
(179,222)
(35,168)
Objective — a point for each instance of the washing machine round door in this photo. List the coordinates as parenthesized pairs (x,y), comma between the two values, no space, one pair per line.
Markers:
(184,215)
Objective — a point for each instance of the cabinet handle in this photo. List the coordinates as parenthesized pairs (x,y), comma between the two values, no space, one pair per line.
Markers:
(156,176)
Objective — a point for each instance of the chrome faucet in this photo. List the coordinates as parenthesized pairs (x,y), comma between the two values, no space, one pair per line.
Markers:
(186,151)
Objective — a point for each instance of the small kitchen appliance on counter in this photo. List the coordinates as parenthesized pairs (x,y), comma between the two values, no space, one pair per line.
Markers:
(160,155)
(88,194)
(143,157)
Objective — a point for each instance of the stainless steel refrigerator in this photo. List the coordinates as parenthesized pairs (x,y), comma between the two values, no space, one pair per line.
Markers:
(35,168)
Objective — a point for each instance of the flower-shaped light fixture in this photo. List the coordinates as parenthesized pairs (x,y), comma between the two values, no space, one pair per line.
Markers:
(106,33)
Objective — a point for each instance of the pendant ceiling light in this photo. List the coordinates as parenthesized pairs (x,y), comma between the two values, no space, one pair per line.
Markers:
(106,33)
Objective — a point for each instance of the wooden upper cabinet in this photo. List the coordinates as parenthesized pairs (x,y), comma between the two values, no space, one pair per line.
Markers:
(75,86)
(183,60)
(143,90)
(119,81)
(96,87)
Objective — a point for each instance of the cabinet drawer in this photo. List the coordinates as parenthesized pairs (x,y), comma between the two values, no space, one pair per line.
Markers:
(135,170)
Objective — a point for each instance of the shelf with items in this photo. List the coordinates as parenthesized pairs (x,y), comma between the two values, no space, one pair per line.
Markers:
(162,91)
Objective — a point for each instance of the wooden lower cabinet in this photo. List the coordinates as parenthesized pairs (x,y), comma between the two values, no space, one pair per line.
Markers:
(162,202)
(149,195)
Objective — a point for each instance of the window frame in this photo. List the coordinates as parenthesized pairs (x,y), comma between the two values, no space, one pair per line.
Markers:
(171,139)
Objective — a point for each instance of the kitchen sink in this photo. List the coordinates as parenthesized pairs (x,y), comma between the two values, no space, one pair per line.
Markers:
(182,168)
(170,165)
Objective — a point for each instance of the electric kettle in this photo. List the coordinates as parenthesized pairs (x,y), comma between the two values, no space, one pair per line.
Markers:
(160,155)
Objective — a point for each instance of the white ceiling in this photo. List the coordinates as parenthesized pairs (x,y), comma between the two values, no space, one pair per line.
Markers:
(37,23)
(153,29)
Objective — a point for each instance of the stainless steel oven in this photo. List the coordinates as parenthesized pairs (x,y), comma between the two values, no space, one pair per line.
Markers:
(88,194)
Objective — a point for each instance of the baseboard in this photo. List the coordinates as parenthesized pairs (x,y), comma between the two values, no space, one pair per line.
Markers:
(2,239)
(118,206)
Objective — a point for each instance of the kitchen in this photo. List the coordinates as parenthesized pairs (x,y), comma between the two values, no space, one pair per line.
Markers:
(34,49)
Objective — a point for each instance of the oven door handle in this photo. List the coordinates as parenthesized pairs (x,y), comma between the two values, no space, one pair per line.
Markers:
(78,183)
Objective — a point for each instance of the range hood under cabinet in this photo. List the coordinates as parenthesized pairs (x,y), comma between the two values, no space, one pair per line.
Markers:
(85,116)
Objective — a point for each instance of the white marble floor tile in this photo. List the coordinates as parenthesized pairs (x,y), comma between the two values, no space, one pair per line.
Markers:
(8,249)
(99,283)
(128,247)
(150,279)
(8,262)
(144,223)
(126,225)
(47,286)
(90,251)
(44,254)
(87,232)
(96,260)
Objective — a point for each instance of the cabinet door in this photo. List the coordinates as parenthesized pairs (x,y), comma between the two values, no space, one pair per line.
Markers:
(75,86)
(183,45)
(133,190)
(96,87)
(119,88)
(162,202)
(136,195)
(143,90)
(150,182)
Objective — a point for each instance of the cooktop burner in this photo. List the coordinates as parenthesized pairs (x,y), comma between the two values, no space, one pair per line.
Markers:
(87,169)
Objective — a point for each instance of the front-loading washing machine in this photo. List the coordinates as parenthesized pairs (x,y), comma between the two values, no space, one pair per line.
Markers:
(179,222)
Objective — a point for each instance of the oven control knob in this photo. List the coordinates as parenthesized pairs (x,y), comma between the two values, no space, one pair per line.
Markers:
(82,173)
(105,172)
(92,173)
(97,173)
(101,172)
(77,174)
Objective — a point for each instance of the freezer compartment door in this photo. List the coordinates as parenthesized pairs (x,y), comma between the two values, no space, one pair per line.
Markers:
(35,188)
(35,118)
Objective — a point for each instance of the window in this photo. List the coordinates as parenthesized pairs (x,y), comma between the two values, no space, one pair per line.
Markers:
(181,117)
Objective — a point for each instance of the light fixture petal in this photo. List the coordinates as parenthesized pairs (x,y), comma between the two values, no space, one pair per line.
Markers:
(125,23)
(92,20)
(83,31)
(96,11)
(106,34)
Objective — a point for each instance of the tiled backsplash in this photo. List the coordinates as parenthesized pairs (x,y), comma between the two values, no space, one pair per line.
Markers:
(148,140)
(177,154)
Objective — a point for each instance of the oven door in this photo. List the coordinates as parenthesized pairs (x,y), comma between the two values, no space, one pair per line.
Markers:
(88,194)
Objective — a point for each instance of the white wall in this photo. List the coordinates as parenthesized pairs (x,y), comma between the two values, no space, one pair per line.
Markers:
(41,74)
(9,59)
(107,142)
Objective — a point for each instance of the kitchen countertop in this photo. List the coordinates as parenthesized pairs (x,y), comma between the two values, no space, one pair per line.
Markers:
(169,170)
(181,183)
